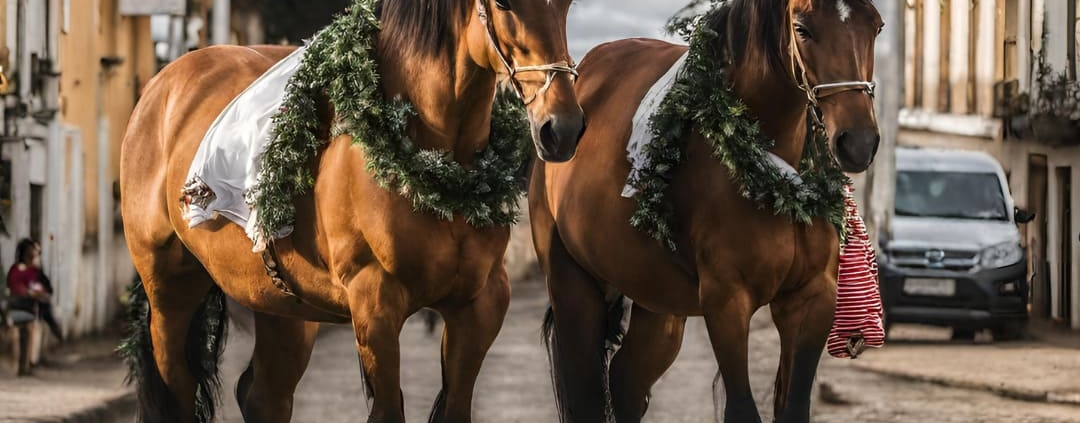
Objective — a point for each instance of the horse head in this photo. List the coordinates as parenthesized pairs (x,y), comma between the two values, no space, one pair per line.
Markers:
(831,57)
(525,41)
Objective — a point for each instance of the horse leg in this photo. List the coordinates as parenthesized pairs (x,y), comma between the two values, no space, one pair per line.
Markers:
(578,317)
(727,317)
(469,331)
(282,350)
(173,302)
(803,319)
(648,349)
(379,307)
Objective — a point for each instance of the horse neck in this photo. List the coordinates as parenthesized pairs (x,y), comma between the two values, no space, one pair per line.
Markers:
(451,94)
(780,107)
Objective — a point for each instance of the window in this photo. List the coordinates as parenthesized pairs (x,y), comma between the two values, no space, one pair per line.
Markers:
(956,195)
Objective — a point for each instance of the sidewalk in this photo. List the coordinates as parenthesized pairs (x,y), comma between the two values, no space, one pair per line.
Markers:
(82,383)
(1028,370)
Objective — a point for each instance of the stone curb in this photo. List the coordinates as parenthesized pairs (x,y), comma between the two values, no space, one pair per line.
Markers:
(116,409)
(1068,398)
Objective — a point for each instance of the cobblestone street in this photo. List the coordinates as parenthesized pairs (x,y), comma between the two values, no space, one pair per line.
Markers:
(514,385)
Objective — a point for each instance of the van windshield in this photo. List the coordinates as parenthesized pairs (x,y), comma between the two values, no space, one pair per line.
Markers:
(961,195)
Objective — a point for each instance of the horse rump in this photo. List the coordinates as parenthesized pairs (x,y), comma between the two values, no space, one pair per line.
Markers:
(203,353)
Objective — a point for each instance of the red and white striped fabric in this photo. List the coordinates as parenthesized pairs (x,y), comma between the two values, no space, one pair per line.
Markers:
(858,321)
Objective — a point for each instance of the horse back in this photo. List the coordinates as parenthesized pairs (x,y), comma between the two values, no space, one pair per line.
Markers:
(617,74)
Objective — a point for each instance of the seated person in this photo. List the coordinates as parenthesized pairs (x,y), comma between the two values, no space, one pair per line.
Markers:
(30,291)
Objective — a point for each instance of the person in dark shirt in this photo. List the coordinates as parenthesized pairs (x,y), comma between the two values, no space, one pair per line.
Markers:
(28,286)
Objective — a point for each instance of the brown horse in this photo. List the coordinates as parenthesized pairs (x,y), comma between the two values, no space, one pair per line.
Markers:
(732,257)
(359,253)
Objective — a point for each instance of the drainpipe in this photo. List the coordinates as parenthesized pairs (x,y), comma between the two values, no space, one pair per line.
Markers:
(70,248)
(54,235)
(889,73)
(1023,44)
(221,33)
(104,278)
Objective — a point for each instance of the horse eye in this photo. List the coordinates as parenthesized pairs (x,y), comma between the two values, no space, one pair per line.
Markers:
(881,28)
(502,4)
(803,32)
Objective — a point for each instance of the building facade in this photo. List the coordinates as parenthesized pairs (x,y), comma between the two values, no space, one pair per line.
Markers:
(75,69)
(973,81)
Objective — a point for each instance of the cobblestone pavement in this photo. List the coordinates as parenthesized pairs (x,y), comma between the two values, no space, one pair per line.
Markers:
(79,378)
(514,385)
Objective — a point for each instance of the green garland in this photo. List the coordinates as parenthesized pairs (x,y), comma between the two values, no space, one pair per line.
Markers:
(701,100)
(340,65)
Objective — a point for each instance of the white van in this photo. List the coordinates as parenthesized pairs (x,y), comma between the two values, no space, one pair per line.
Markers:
(954,256)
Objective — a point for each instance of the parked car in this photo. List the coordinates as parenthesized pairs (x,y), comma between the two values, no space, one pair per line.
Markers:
(953,257)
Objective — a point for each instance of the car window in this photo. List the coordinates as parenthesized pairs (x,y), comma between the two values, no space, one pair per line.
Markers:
(961,195)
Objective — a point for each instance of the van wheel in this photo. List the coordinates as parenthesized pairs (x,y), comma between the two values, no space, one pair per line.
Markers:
(959,334)
(1009,331)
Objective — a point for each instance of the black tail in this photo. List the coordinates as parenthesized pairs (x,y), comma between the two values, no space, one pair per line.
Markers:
(548,336)
(614,335)
(203,351)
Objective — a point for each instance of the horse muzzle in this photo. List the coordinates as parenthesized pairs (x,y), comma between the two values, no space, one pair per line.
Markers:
(556,138)
(855,148)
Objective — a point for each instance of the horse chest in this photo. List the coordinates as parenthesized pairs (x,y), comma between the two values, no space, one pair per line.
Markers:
(431,257)
(367,223)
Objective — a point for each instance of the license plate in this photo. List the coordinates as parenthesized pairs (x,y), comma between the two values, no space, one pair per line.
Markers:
(930,287)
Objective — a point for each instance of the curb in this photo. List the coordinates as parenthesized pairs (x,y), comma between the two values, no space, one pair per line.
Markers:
(116,409)
(1067,398)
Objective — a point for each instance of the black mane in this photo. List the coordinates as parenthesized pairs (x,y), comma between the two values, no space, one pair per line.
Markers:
(423,27)
(754,24)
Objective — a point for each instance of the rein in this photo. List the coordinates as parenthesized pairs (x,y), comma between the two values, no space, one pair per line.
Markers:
(551,69)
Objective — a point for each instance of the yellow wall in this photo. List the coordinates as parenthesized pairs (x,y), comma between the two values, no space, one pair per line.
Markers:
(94,34)
(4,54)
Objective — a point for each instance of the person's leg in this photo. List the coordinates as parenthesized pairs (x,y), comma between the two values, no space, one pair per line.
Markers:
(24,349)
(46,314)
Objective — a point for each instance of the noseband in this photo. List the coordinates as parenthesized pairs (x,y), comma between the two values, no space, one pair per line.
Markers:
(817,92)
(550,69)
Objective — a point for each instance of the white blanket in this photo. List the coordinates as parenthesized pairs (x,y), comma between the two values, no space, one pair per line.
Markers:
(641,132)
(226,164)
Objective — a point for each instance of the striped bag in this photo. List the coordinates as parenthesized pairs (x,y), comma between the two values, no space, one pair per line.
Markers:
(858,321)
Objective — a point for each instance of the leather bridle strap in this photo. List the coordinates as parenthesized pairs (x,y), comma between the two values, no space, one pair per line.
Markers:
(550,69)
(817,92)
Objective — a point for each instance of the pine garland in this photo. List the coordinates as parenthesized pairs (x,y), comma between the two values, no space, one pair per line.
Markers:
(340,65)
(701,100)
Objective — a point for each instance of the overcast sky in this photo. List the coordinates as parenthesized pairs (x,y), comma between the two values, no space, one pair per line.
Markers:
(592,22)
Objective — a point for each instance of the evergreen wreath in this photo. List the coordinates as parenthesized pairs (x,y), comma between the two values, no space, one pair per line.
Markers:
(700,99)
(339,65)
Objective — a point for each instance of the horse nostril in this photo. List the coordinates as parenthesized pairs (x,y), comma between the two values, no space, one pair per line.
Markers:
(841,139)
(855,148)
(547,133)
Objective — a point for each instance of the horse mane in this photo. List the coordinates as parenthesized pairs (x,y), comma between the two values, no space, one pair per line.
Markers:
(755,31)
(421,27)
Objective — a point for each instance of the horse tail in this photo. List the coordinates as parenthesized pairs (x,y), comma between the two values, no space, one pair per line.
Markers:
(205,344)
(615,330)
(203,352)
(551,342)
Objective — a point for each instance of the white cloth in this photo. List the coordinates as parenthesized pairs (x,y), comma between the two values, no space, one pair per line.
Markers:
(227,161)
(641,132)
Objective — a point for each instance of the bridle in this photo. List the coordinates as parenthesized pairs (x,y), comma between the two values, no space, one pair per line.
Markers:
(819,91)
(550,69)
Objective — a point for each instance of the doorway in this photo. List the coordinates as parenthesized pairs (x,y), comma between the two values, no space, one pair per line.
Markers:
(1064,300)
(1038,266)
